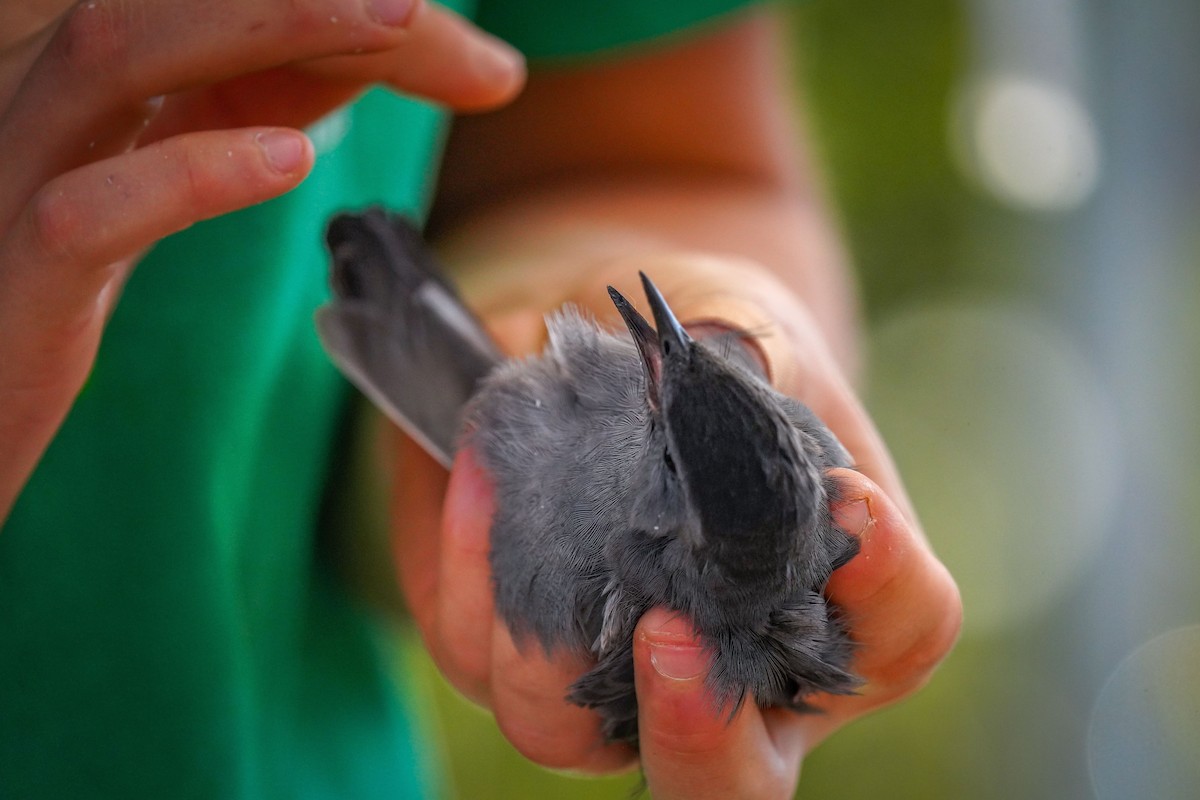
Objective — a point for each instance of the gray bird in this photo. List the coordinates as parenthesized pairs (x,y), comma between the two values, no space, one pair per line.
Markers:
(630,472)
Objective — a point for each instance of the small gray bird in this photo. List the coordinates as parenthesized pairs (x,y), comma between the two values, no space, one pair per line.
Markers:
(630,472)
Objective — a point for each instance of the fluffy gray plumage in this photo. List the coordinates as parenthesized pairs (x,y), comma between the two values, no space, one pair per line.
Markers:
(600,519)
(646,470)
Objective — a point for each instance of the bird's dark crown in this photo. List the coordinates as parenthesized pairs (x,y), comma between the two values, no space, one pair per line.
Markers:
(729,444)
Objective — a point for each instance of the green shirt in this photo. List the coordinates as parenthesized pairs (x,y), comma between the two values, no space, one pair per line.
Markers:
(167,627)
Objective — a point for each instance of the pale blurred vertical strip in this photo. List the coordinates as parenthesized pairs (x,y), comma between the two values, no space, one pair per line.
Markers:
(1138,303)
(1122,259)
(1024,129)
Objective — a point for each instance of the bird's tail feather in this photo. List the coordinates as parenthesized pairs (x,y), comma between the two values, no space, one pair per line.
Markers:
(399,331)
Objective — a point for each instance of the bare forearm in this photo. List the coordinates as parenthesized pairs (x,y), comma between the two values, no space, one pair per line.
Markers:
(555,234)
(691,147)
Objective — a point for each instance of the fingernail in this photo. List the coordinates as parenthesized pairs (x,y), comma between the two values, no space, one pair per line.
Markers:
(678,663)
(747,343)
(284,149)
(496,59)
(674,651)
(391,12)
(854,517)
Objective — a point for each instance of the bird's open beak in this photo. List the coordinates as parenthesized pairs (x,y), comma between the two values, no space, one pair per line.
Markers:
(670,340)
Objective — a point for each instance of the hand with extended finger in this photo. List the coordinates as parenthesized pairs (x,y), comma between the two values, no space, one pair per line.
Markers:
(123,122)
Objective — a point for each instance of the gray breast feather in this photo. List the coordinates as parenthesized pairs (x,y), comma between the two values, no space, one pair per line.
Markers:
(532,423)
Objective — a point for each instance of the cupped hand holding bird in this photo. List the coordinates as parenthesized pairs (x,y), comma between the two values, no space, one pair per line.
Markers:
(902,604)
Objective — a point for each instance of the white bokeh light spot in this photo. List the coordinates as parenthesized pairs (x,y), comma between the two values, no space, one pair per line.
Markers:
(1030,143)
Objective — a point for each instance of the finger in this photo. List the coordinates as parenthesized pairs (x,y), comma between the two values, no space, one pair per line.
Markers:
(464,604)
(56,281)
(444,58)
(418,486)
(107,56)
(731,292)
(902,605)
(737,293)
(800,364)
(838,406)
(109,210)
(689,748)
(20,44)
(529,700)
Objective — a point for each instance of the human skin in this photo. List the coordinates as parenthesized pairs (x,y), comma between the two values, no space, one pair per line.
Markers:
(708,193)
(123,121)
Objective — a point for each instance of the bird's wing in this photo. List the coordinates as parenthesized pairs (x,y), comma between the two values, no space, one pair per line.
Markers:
(830,452)
(398,330)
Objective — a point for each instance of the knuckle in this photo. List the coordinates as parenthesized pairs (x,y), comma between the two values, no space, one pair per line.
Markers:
(534,714)
(467,669)
(191,175)
(56,225)
(92,38)
(724,771)
(914,665)
(551,746)
(682,742)
(198,182)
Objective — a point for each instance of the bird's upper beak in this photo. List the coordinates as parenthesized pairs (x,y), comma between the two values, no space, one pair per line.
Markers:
(669,341)
(673,340)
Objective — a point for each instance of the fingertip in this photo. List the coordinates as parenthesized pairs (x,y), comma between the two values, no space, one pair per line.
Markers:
(464,617)
(417,484)
(691,745)
(499,70)
(902,604)
(854,517)
(451,61)
(397,13)
(676,712)
(287,152)
(470,501)
(673,649)
(886,544)
(528,696)
(852,484)
(863,510)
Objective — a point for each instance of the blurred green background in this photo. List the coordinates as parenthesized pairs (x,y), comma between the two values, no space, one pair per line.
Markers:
(1018,181)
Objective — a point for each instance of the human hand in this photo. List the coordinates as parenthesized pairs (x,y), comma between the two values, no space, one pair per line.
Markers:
(123,122)
(903,606)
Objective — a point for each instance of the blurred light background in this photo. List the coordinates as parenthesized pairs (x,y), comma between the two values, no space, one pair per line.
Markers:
(1019,181)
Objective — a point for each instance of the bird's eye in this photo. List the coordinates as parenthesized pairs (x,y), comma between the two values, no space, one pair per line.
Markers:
(670,462)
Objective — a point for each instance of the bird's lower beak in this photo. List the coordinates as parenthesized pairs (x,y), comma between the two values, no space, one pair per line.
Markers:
(646,341)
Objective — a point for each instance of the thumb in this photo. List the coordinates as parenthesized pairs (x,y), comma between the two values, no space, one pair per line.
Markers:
(690,747)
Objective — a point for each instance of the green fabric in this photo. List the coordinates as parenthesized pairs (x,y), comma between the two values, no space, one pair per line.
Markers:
(572,28)
(167,628)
